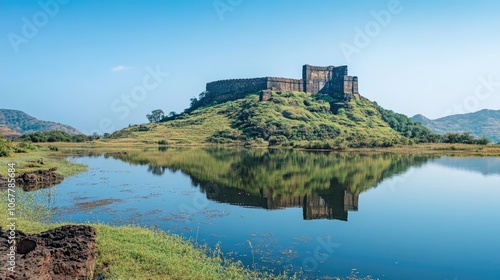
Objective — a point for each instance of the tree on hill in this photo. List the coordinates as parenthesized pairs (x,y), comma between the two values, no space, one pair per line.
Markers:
(155,116)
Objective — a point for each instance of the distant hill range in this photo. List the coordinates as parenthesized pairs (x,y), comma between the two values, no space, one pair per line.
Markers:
(15,123)
(482,123)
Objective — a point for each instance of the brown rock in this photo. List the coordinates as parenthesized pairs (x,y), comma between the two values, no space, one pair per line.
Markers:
(35,180)
(67,252)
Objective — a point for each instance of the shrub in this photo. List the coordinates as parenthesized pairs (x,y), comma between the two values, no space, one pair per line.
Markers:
(277,140)
(224,136)
(27,146)
(142,128)
(5,147)
(53,148)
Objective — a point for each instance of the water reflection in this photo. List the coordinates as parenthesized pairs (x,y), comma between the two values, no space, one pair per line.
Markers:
(324,185)
(482,165)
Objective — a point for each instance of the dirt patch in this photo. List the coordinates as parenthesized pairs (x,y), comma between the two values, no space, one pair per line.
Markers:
(67,252)
(39,179)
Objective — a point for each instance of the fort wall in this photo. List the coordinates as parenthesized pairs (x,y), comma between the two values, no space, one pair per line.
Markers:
(236,86)
(315,79)
(284,84)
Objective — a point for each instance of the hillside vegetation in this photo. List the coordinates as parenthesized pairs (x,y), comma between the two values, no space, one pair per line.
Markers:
(23,123)
(482,123)
(287,119)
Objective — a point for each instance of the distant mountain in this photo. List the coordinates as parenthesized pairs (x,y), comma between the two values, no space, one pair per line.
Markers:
(14,121)
(481,123)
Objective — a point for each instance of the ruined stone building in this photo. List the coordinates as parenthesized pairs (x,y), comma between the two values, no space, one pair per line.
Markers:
(331,80)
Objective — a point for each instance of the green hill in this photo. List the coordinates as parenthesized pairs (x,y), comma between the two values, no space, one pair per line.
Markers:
(286,119)
(482,123)
(23,123)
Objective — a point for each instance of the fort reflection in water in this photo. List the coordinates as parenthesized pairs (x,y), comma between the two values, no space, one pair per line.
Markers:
(331,204)
(325,185)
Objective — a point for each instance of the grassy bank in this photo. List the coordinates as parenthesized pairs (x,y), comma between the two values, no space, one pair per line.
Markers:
(42,158)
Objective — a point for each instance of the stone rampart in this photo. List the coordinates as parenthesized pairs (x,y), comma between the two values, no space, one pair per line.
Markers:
(315,79)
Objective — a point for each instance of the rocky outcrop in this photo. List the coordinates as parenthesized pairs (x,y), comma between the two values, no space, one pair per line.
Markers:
(35,180)
(67,252)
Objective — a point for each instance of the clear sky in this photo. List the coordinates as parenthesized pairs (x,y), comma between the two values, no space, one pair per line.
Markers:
(101,65)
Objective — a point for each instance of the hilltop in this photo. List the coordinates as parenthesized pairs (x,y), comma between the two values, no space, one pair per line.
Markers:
(19,122)
(295,119)
(482,123)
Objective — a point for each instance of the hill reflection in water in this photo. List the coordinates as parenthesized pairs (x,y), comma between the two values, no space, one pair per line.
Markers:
(325,185)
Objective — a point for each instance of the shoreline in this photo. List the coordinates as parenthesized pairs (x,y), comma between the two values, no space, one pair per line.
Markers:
(433,148)
(111,238)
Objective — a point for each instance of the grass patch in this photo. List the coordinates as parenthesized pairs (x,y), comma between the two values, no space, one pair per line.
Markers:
(43,158)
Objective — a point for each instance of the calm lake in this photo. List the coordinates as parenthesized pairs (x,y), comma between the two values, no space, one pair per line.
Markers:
(325,214)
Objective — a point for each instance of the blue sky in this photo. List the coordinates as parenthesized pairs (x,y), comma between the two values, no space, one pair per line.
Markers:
(89,63)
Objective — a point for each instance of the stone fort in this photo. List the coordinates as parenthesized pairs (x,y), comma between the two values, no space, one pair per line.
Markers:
(330,80)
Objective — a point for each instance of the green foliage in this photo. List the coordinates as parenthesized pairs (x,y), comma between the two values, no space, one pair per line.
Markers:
(463,138)
(295,116)
(279,140)
(324,97)
(162,142)
(286,172)
(53,148)
(155,116)
(299,117)
(5,147)
(406,127)
(342,112)
(193,101)
(56,136)
(24,147)
(142,128)
(224,136)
